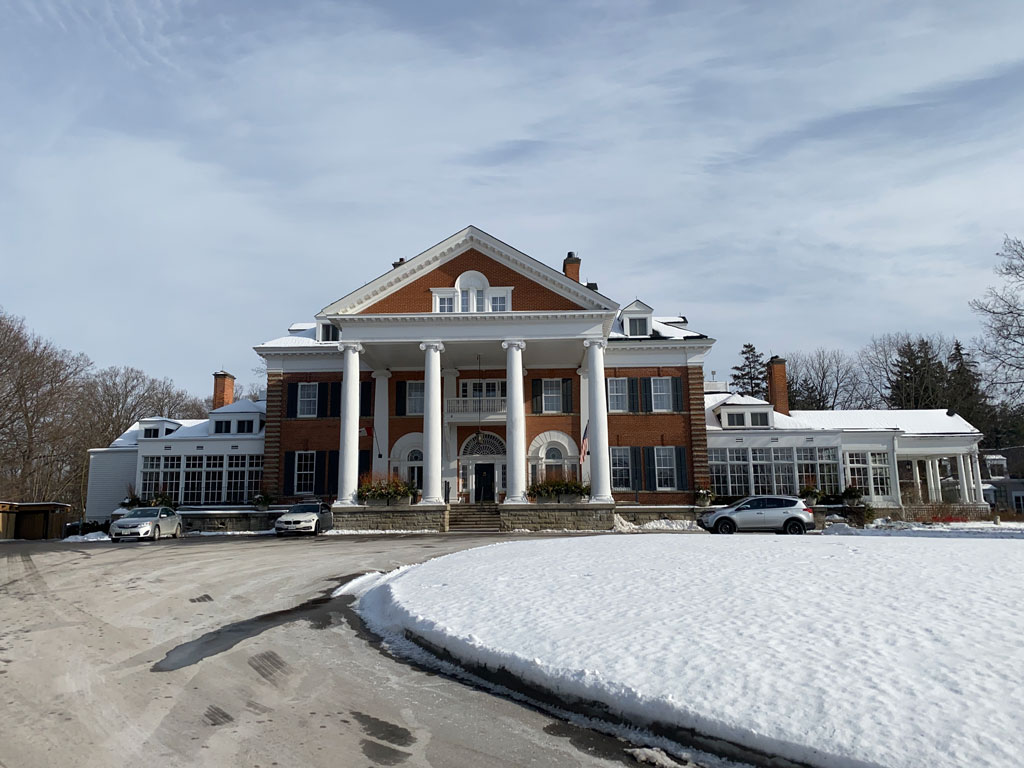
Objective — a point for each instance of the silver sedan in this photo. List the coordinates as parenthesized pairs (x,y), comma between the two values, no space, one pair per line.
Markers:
(146,523)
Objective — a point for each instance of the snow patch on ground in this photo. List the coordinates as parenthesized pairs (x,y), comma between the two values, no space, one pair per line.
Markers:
(268,532)
(94,536)
(887,527)
(347,532)
(798,646)
(621,525)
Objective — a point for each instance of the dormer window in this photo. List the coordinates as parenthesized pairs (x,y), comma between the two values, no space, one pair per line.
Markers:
(638,326)
(637,320)
(736,419)
(151,432)
(221,427)
(329,332)
(445,304)
(759,419)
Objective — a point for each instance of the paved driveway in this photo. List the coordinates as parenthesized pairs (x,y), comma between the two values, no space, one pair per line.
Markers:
(225,652)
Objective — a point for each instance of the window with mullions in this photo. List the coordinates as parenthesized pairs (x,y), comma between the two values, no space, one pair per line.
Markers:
(254,476)
(638,326)
(414,398)
(171,478)
(498,304)
(665,467)
(857,471)
(761,459)
(736,419)
(552,396)
(618,395)
(245,426)
(305,471)
(880,485)
(192,493)
(661,393)
(758,419)
(221,427)
(445,304)
(150,476)
(621,476)
(307,399)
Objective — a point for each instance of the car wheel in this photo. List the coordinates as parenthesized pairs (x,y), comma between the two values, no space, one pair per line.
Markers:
(725,526)
(316,528)
(177,532)
(156,533)
(794,527)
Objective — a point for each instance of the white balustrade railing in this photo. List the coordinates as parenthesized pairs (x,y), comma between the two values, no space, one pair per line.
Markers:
(472,405)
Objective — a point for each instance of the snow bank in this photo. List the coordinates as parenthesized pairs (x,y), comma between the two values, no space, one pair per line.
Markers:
(880,652)
(621,525)
(94,536)
(347,532)
(886,527)
(268,532)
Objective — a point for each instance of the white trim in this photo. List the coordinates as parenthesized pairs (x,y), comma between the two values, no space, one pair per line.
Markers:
(541,442)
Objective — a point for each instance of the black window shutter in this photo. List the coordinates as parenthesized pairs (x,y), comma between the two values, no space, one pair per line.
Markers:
(634,467)
(681,480)
(365,399)
(399,398)
(335,410)
(646,396)
(634,395)
(566,395)
(332,473)
(323,389)
(365,462)
(677,394)
(293,401)
(319,473)
(289,473)
(650,473)
(538,395)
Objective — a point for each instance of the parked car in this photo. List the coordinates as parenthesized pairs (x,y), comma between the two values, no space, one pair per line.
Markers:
(311,517)
(146,523)
(784,514)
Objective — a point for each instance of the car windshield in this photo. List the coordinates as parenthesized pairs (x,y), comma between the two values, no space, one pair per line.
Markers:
(147,513)
(304,509)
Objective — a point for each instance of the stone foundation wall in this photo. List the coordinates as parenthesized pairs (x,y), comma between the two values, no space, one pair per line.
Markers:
(640,515)
(557,517)
(418,517)
(927,513)
(222,522)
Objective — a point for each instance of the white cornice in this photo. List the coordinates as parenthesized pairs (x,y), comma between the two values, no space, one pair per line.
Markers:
(457,318)
(446,250)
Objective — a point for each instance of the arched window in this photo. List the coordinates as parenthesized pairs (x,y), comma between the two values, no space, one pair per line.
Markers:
(484,444)
(553,453)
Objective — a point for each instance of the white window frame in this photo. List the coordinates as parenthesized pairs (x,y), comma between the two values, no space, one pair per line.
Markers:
(306,386)
(624,394)
(646,329)
(446,304)
(329,332)
(667,380)
(472,300)
(758,414)
(410,399)
(664,461)
(619,461)
(305,465)
(502,299)
(544,395)
(729,417)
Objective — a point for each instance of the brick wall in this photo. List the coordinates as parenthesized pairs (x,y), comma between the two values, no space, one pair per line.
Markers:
(528,296)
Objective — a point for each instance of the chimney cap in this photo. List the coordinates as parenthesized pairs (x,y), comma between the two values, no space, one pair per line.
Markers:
(572,257)
(775,360)
(222,374)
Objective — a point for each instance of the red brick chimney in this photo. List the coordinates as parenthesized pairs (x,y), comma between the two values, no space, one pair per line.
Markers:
(571,266)
(223,389)
(778,394)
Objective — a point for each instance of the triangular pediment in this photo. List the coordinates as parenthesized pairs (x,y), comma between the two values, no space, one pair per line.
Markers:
(405,288)
(637,307)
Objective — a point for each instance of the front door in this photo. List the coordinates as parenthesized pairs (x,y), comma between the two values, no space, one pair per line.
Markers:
(484,476)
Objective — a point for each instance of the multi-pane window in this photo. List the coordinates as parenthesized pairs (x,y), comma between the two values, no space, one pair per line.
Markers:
(445,304)
(880,485)
(480,301)
(329,332)
(782,463)
(761,459)
(414,398)
(620,469)
(307,399)
(214,480)
(857,471)
(221,427)
(171,478)
(498,303)
(236,479)
(151,432)
(254,479)
(464,301)
(482,388)
(618,395)
(665,467)
(150,476)
(245,426)
(192,492)
(637,326)
(719,466)
(305,471)
(661,393)
(735,419)
(759,419)
(552,395)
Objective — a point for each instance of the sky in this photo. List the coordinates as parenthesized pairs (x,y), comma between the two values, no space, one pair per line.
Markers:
(180,181)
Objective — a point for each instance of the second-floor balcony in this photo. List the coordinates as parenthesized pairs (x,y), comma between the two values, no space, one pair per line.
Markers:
(471,408)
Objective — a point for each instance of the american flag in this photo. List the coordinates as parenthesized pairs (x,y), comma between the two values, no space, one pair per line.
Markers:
(584,444)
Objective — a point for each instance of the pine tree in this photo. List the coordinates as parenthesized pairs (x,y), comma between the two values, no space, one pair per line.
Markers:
(918,377)
(963,390)
(751,375)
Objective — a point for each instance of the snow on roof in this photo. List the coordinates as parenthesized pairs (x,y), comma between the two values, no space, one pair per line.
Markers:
(289,341)
(300,327)
(663,327)
(129,438)
(913,422)
(242,406)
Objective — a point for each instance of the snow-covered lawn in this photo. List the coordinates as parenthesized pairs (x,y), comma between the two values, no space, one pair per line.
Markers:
(893,652)
(89,537)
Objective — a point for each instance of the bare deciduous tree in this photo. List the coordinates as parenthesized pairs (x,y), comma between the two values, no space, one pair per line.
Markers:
(1002,317)
(826,379)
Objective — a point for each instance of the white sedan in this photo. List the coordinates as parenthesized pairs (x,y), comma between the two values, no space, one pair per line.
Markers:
(146,523)
(309,517)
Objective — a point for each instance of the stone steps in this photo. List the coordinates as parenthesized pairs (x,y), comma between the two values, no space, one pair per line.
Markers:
(475,518)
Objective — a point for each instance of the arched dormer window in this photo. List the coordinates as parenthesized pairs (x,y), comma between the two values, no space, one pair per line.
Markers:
(472,293)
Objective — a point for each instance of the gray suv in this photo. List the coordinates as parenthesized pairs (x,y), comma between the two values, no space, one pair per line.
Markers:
(783,514)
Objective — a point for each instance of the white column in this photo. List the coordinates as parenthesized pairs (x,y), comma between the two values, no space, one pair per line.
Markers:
(348,476)
(937,472)
(515,423)
(917,479)
(930,475)
(894,476)
(962,477)
(584,418)
(381,419)
(600,471)
(977,479)
(432,422)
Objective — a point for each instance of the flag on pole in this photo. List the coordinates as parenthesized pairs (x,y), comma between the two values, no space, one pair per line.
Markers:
(584,444)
